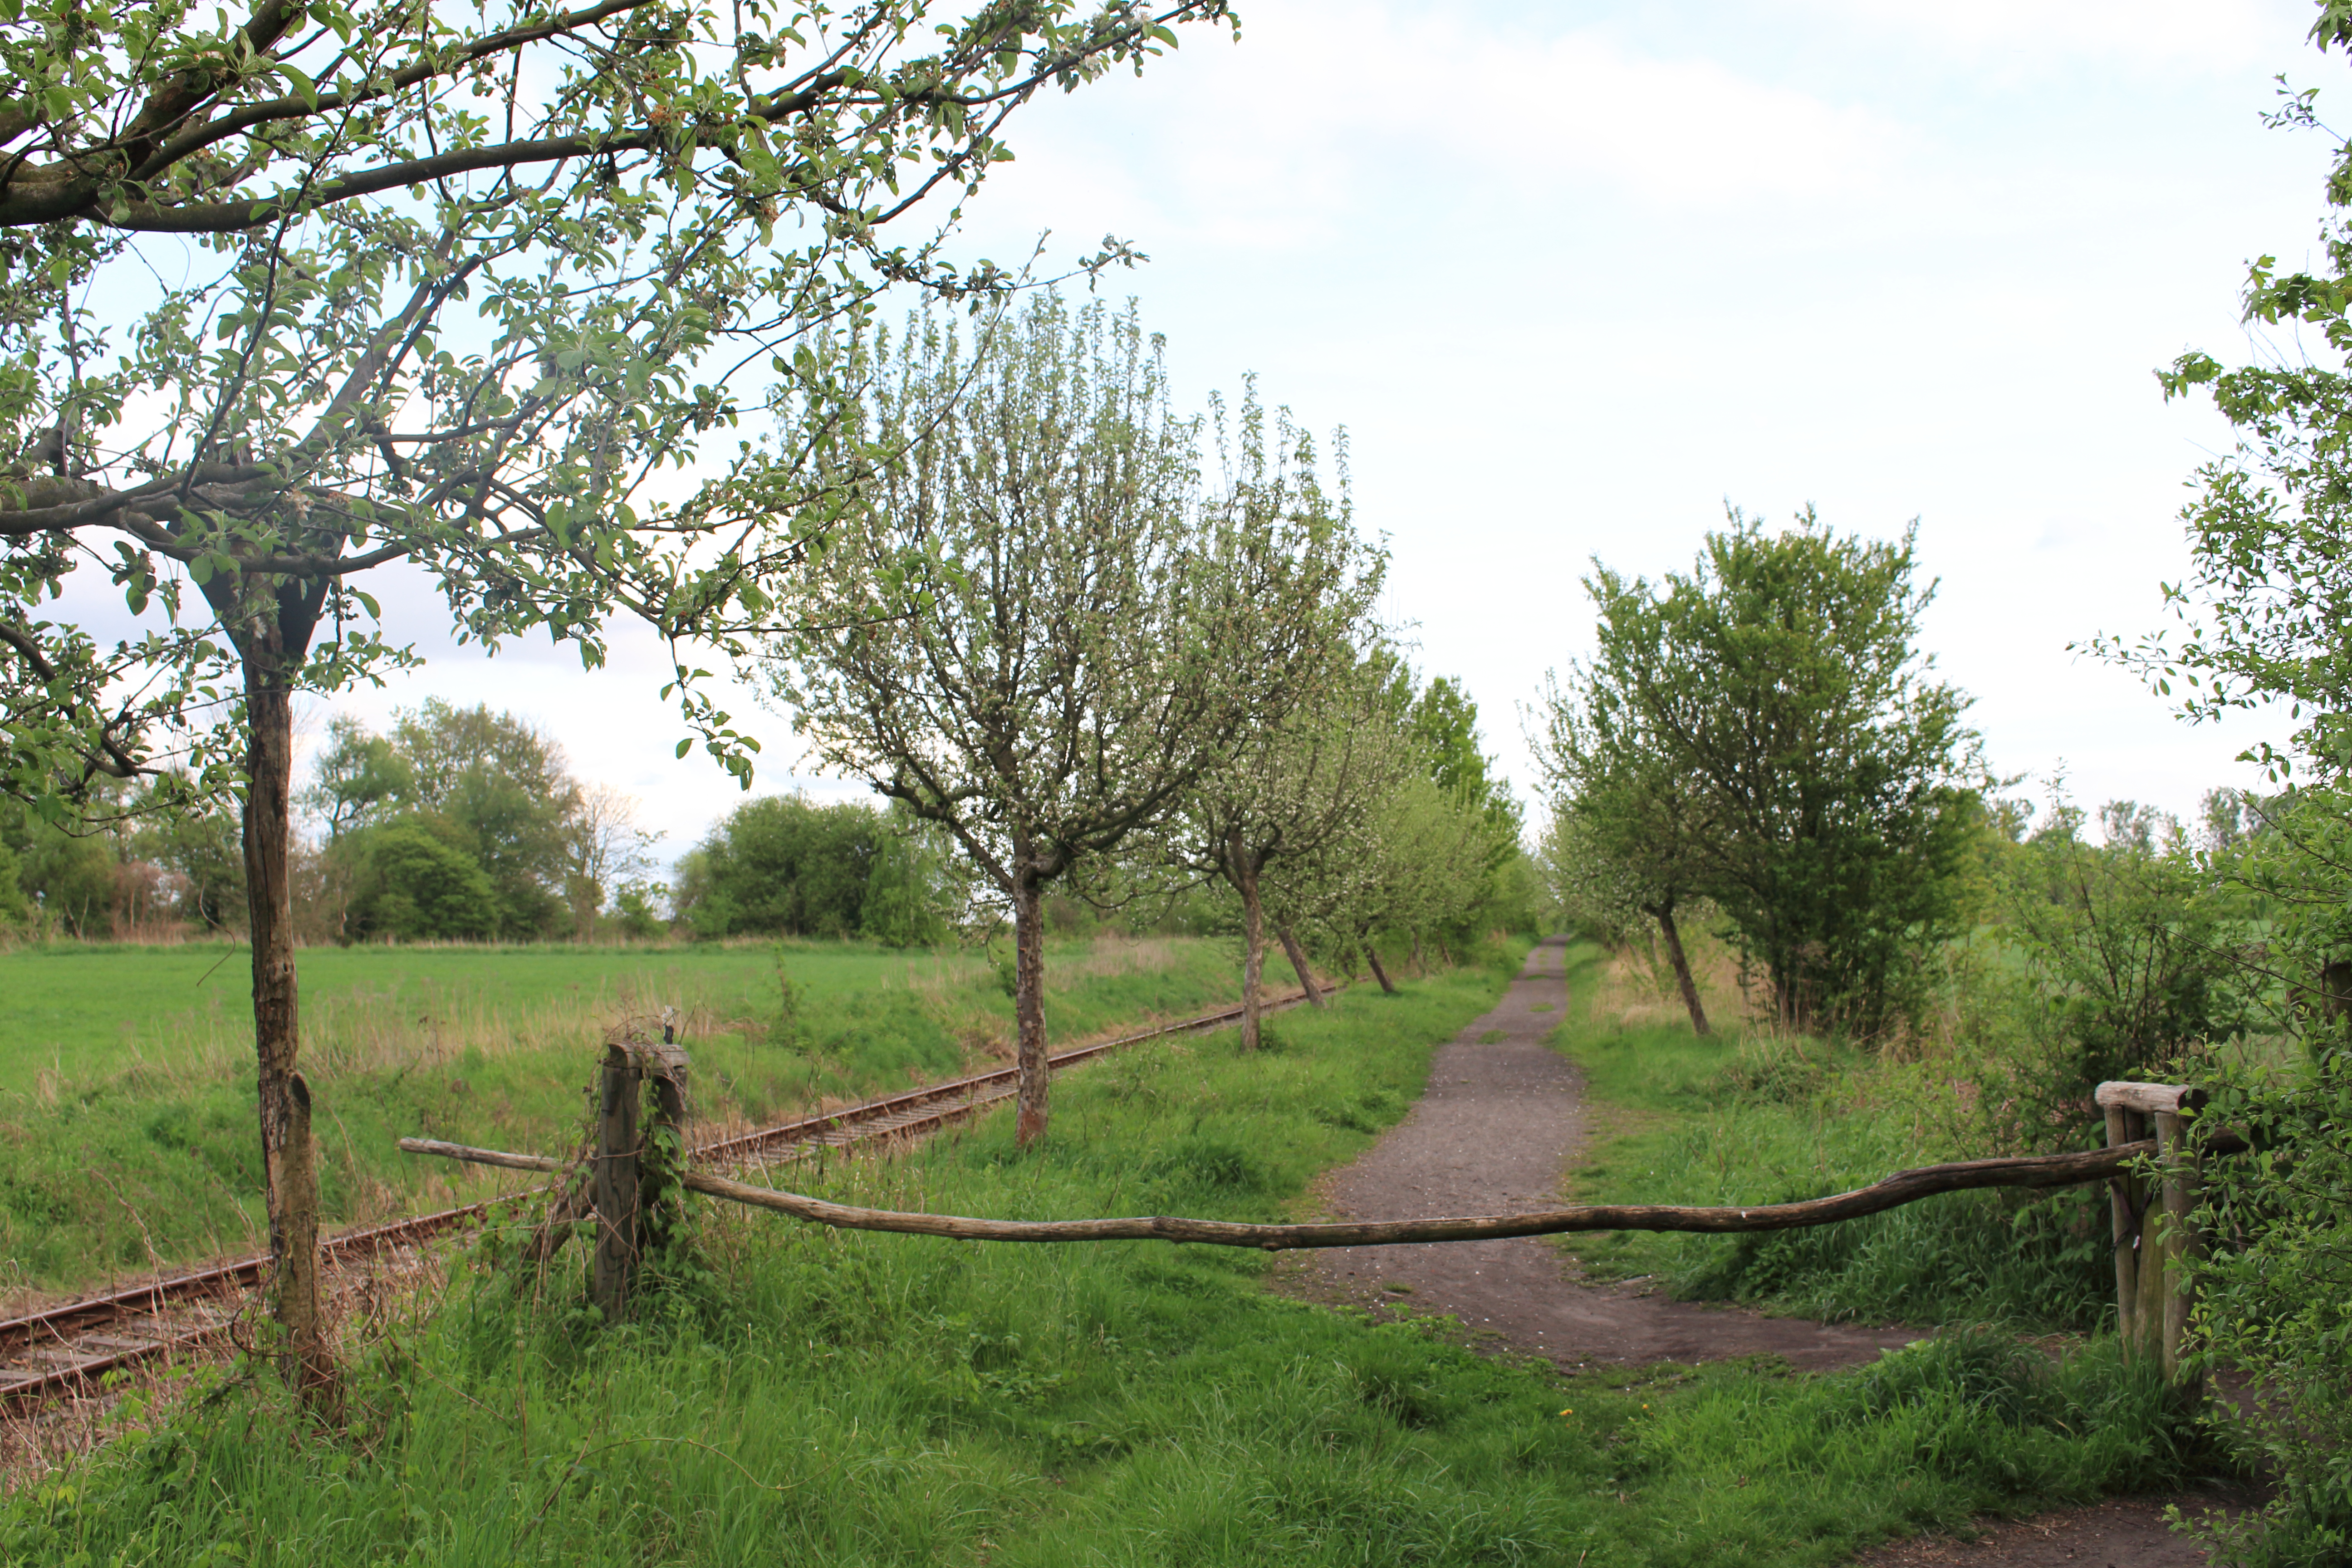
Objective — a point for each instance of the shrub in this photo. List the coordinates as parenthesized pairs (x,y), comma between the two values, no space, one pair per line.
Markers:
(413,886)
(2275,1304)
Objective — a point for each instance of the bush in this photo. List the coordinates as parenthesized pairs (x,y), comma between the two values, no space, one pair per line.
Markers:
(2275,1304)
(411,886)
(784,865)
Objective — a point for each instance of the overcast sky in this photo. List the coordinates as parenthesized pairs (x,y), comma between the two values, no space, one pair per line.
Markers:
(1575,276)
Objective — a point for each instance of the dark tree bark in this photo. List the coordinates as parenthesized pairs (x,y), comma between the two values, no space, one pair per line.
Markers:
(1029,1003)
(272,631)
(1243,870)
(1665,915)
(1298,956)
(1372,957)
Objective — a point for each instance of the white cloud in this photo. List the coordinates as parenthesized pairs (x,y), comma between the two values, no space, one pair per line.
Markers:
(2037,36)
(1324,112)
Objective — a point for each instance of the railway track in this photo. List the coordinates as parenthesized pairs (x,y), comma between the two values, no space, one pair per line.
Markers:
(67,1348)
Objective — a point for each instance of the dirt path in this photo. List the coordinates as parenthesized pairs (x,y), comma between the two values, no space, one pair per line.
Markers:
(1501,1117)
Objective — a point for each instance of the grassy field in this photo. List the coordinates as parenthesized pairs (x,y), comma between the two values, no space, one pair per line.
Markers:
(127,1137)
(1753,1118)
(800,1395)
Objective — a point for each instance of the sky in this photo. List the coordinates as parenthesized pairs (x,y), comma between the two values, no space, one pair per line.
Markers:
(1574,278)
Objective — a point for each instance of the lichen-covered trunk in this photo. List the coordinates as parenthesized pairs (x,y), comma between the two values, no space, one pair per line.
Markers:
(1298,956)
(1674,956)
(290,1157)
(1243,871)
(1029,1007)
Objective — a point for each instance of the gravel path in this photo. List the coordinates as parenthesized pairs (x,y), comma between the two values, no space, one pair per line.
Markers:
(1502,1116)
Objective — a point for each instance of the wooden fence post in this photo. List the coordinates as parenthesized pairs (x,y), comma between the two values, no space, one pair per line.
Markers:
(2128,1201)
(615,1184)
(2154,1233)
(2181,1242)
(658,1173)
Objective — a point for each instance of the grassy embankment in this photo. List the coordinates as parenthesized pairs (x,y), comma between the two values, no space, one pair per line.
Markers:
(1751,1116)
(800,1395)
(126,1103)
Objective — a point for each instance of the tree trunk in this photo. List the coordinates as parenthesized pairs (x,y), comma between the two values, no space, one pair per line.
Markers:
(1664,916)
(290,1157)
(1029,1006)
(1372,957)
(1244,877)
(1298,961)
(1419,967)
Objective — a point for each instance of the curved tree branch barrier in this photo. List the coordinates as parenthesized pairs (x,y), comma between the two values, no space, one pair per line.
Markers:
(2154,1229)
(1903,1187)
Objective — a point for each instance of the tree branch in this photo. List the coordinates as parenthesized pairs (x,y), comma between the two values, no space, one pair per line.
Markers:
(1903,1187)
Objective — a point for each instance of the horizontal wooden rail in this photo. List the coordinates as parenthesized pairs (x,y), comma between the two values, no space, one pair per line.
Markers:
(1903,1187)
(2155,1099)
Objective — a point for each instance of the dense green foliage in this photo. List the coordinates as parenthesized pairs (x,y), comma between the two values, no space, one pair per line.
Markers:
(2124,958)
(866,1399)
(411,884)
(1825,786)
(2262,609)
(784,865)
(2275,1301)
(138,873)
(462,822)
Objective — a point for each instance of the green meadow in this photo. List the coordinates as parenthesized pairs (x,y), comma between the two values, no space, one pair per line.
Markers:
(794,1394)
(127,1138)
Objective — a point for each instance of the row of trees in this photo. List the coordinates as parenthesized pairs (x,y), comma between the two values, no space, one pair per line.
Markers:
(1097,645)
(292,295)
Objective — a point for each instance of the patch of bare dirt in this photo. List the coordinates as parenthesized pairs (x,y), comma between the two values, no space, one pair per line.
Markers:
(2121,1532)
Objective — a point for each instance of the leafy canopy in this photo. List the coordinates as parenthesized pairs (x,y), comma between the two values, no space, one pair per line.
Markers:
(330,287)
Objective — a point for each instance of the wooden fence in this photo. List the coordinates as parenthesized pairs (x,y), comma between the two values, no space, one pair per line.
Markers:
(628,1172)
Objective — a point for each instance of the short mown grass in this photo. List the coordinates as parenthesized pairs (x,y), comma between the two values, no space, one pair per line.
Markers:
(127,1137)
(794,1394)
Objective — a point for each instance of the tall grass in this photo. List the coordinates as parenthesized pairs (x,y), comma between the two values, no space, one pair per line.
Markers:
(1755,1116)
(800,1395)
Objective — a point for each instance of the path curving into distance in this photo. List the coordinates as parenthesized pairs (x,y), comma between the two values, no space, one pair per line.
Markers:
(1502,1117)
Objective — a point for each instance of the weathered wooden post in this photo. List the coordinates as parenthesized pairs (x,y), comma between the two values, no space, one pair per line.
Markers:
(2182,1180)
(614,1183)
(2152,1300)
(629,1179)
(663,1146)
(2127,1200)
